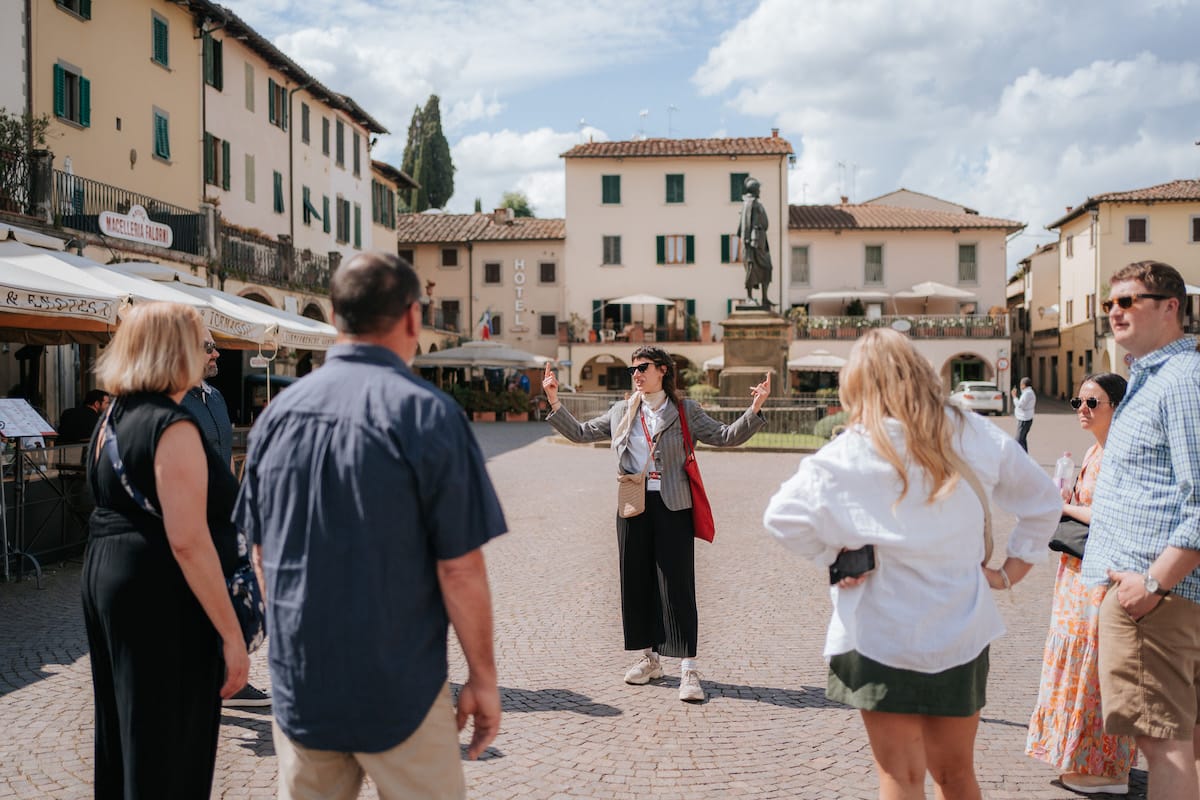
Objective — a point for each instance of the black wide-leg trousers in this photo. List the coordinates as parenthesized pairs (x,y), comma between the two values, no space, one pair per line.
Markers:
(658,580)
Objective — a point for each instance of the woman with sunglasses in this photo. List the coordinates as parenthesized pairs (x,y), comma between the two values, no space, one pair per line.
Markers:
(655,548)
(1067,729)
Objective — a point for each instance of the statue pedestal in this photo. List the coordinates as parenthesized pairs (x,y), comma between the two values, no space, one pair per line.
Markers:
(756,342)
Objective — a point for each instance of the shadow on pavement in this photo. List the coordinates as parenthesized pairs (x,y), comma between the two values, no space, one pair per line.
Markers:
(260,725)
(44,628)
(498,438)
(517,701)
(804,697)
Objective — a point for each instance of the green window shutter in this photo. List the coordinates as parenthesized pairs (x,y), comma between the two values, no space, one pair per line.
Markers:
(271,100)
(691,313)
(60,91)
(283,107)
(626,314)
(225,165)
(85,102)
(737,185)
(209,170)
(661,248)
(160,40)
(610,189)
(162,137)
(325,212)
(357,225)
(724,248)
(85,9)
(660,316)
(691,249)
(218,65)
(597,307)
(278,193)
(207,49)
(304,205)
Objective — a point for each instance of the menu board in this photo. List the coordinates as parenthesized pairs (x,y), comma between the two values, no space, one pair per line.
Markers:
(18,418)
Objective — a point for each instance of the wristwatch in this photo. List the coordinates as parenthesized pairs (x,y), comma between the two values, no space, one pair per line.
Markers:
(1153,587)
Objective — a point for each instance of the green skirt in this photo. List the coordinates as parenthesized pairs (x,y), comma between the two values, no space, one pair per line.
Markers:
(862,683)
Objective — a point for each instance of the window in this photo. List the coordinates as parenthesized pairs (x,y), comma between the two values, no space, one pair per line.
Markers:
(547,324)
(159,40)
(449,256)
(494,327)
(383,205)
(676,249)
(357,226)
(307,207)
(162,134)
(80,8)
(873,271)
(1070,315)
(357,144)
(547,272)
(800,274)
(341,144)
(304,122)
(610,189)
(1137,230)
(1070,247)
(249,178)
(612,250)
(214,63)
(674,188)
(278,176)
(968,271)
(72,95)
(324,136)
(450,312)
(343,220)
(737,185)
(216,161)
(409,256)
(1195,229)
(731,248)
(1090,308)
(326,222)
(276,104)
(249,87)
(491,272)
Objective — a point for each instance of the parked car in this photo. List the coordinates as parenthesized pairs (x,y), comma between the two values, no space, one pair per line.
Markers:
(985,398)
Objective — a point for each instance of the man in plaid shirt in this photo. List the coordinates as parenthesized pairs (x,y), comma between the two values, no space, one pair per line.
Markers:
(1145,533)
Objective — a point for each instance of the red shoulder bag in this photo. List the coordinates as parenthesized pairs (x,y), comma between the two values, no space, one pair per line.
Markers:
(702,518)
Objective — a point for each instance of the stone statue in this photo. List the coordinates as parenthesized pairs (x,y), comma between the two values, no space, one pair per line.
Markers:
(756,254)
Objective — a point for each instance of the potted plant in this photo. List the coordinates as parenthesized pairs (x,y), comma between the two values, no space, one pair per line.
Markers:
(818,328)
(515,405)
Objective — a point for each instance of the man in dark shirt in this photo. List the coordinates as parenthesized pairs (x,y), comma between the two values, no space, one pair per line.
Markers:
(367,501)
(78,423)
(207,405)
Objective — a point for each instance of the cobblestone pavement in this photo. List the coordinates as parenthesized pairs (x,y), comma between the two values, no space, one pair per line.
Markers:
(572,728)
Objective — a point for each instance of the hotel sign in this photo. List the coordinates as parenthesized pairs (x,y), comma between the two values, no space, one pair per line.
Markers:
(136,226)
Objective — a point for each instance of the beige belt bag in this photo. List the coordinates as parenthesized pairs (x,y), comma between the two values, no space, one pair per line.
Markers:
(631,490)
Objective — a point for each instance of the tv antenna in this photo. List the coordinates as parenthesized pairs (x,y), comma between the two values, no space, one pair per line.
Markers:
(645,112)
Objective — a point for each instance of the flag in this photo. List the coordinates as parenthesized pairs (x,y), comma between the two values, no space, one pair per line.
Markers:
(485,325)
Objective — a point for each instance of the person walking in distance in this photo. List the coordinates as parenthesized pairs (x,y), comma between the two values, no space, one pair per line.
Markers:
(367,501)
(1144,540)
(206,403)
(1023,411)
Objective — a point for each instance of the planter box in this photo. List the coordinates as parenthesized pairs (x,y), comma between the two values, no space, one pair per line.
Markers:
(516,416)
(483,416)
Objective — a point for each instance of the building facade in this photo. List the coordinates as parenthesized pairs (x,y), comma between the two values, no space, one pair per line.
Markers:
(387,183)
(13,79)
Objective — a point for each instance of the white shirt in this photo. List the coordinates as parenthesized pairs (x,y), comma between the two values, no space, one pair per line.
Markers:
(927,606)
(1023,409)
(637,439)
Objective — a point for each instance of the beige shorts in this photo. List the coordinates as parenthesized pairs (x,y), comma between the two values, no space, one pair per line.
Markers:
(1150,669)
(427,764)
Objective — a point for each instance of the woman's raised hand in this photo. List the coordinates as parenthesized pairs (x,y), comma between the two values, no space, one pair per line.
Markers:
(760,394)
(550,386)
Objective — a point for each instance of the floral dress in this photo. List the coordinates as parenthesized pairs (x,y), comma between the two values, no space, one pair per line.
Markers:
(1067,728)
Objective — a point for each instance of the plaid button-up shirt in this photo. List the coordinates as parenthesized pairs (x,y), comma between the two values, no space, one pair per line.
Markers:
(1148,494)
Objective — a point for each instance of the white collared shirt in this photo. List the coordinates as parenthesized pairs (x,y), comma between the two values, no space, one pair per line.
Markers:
(927,606)
(1023,408)
(637,439)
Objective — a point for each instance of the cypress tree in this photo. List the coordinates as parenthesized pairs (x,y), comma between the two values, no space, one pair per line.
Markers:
(436,169)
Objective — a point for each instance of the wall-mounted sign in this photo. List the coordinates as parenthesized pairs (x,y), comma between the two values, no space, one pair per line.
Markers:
(519,289)
(136,226)
(1002,363)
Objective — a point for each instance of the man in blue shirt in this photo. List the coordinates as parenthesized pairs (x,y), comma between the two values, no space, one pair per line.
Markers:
(1145,533)
(367,500)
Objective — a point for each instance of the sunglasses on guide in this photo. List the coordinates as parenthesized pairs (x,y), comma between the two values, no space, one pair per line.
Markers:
(1091,402)
(1126,301)
(636,368)
(210,348)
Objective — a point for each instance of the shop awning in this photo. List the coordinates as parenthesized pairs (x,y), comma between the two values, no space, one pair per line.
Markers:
(280,328)
(817,361)
(44,300)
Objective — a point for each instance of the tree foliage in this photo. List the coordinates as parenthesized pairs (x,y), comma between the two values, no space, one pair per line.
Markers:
(518,202)
(427,158)
(21,133)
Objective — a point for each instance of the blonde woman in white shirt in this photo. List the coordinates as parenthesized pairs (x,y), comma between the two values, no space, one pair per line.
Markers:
(908,641)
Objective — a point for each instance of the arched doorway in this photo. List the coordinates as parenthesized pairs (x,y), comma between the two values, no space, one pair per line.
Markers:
(305,358)
(603,373)
(966,367)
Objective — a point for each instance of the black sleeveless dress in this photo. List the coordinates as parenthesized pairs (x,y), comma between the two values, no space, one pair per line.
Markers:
(156,659)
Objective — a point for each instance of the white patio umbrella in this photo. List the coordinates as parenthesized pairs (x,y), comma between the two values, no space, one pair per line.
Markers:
(716,362)
(641,300)
(928,289)
(848,294)
(479,354)
(1192,289)
(817,361)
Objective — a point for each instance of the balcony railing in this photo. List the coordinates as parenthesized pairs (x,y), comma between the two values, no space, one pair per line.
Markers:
(262,259)
(79,201)
(14,182)
(920,326)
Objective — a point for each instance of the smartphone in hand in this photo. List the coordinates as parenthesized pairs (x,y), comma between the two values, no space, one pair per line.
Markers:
(852,563)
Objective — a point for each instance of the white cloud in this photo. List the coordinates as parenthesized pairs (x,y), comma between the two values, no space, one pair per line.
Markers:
(476,108)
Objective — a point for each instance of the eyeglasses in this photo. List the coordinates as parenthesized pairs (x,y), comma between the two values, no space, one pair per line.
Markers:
(1091,402)
(636,368)
(210,348)
(1126,301)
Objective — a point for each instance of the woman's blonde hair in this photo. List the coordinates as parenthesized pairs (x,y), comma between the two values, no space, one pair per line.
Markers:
(886,377)
(158,347)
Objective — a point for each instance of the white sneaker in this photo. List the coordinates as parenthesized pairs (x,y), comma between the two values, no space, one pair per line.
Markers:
(1094,784)
(690,690)
(645,670)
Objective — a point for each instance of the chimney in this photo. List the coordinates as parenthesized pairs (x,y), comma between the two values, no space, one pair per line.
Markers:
(845,200)
(774,133)
(502,216)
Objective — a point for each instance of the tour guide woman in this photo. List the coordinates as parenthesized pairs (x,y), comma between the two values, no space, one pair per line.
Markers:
(658,583)
(908,642)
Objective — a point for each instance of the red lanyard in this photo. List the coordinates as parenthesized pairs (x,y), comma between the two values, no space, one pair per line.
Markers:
(649,441)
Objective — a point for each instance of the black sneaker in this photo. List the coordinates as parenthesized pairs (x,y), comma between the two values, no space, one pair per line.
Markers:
(248,697)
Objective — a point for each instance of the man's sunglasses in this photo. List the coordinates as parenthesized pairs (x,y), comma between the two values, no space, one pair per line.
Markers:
(636,368)
(1126,301)
(210,348)
(1091,402)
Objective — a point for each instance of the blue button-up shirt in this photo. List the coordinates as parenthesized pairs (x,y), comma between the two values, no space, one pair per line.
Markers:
(1148,494)
(359,479)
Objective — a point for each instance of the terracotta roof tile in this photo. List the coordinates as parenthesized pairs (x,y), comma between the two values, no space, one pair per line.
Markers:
(653,148)
(865,216)
(447,228)
(1174,191)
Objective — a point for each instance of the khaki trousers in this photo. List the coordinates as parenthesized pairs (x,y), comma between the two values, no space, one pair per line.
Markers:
(427,764)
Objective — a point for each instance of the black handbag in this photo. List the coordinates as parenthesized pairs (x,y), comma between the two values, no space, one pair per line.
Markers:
(1070,537)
